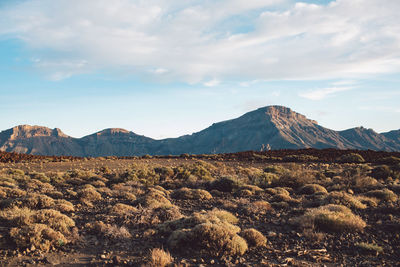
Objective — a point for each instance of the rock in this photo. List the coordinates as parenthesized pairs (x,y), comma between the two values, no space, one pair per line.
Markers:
(52,260)
(271,234)
(102,256)
(116,259)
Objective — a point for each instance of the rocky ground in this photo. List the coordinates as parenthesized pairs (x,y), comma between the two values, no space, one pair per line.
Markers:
(185,211)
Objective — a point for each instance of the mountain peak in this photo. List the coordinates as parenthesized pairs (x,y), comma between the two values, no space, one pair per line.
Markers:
(28,131)
(282,116)
(112,131)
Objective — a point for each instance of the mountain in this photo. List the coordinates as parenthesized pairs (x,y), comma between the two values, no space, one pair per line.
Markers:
(115,142)
(275,126)
(393,135)
(38,140)
(362,138)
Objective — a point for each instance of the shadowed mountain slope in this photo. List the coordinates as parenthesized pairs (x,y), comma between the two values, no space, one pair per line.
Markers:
(274,126)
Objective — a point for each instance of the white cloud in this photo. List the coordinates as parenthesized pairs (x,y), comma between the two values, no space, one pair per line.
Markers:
(212,83)
(320,94)
(225,39)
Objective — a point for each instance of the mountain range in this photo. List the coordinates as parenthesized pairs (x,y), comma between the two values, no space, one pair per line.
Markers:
(275,127)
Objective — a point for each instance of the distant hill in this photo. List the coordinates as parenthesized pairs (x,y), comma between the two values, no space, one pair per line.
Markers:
(276,127)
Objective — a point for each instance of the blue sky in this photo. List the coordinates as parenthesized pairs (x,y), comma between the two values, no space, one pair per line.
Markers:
(167,69)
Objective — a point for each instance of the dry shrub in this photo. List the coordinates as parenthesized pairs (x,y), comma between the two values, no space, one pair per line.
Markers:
(162,189)
(98,183)
(154,199)
(310,189)
(223,215)
(366,182)
(334,218)
(55,220)
(253,188)
(369,248)
(244,193)
(88,195)
(42,229)
(38,186)
(63,205)
(17,216)
(205,232)
(225,184)
(209,238)
(25,216)
(284,198)
(120,209)
(39,236)
(257,176)
(12,192)
(351,158)
(295,178)
(127,196)
(369,201)
(381,172)
(384,194)
(195,194)
(254,238)
(277,190)
(343,198)
(153,216)
(110,231)
(257,207)
(160,258)
(37,201)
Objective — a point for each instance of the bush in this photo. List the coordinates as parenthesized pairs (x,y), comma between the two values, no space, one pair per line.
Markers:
(209,233)
(160,258)
(277,190)
(310,189)
(333,218)
(351,158)
(254,238)
(154,199)
(384,194)
(264,179)
(276,169)
(120,209)
(225,184)
(389,160)
(39,236)
(195,194)
(216,239)
(88,195)
(381,172)
(257,207)
(369,248)
(109,231)
(343,198)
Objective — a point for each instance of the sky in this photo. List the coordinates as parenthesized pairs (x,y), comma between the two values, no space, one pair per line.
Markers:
(168,68)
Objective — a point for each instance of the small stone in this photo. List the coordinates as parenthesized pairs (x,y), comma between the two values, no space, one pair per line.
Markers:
(116,259)
(102,256)
(350,191)
(212,261)
(271,234)
(52,260)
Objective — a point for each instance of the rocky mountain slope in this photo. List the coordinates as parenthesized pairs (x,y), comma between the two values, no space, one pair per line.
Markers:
(274,126)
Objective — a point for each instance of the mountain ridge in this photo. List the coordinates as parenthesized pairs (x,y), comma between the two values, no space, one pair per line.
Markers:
(277,127)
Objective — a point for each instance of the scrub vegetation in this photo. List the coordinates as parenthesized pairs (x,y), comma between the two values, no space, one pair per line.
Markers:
(200,210)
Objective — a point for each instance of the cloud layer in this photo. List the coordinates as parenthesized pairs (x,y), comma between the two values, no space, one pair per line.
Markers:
(208,41)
